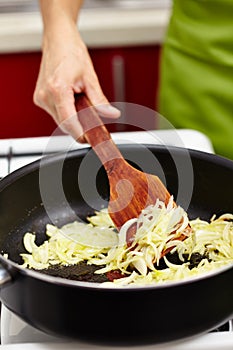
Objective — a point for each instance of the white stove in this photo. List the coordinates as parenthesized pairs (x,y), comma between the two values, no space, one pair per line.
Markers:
(15,153)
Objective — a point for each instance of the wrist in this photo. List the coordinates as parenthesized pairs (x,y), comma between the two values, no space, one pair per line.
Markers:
(53,9)
(59,15)
(59,32)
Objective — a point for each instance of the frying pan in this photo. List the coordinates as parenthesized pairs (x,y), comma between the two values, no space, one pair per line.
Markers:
(66,187)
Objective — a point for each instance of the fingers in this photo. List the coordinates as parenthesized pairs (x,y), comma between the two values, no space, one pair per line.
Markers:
(61,76)
(58,100)
(66,112)
(59,103)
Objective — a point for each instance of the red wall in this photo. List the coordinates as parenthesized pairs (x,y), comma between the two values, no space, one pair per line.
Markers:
(19,116)
(18,72)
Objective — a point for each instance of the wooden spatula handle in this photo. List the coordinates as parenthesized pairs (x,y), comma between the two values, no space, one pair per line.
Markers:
(95,131)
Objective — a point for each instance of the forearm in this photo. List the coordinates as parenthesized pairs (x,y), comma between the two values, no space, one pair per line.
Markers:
(59,20)
(66,68)
(57,12)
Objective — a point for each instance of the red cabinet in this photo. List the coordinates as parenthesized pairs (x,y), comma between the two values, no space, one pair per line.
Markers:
(128,74)
(19,116)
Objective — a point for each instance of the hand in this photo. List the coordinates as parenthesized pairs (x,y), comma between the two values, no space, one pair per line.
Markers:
(66,68)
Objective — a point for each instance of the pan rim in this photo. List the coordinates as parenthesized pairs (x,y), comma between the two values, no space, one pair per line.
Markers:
(100,286)
(53,157)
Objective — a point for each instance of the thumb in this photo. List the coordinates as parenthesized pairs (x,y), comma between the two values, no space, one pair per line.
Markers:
(107,110)
(100,102)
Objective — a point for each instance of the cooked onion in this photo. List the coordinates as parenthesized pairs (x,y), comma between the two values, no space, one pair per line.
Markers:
(158,228)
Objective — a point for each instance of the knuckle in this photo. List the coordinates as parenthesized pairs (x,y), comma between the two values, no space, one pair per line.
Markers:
(39,97)
(54,87)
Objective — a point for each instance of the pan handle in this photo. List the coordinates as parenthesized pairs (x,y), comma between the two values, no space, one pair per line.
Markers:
(5,277)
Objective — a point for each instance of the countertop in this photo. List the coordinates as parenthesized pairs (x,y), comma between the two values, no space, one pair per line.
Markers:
(108,27)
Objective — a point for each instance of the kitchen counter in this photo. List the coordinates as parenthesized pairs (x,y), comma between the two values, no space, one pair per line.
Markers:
(106,27)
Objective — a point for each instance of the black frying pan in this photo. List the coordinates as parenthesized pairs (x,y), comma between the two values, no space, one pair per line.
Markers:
(63,188)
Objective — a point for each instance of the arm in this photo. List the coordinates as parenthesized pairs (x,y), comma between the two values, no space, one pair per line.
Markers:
(66,67)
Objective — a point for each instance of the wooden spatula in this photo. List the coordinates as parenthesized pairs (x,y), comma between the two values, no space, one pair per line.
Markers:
(131,190)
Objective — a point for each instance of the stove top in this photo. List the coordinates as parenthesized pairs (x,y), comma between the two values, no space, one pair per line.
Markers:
(15,153)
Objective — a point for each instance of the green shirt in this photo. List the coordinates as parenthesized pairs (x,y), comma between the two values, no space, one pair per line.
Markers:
(196,88)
